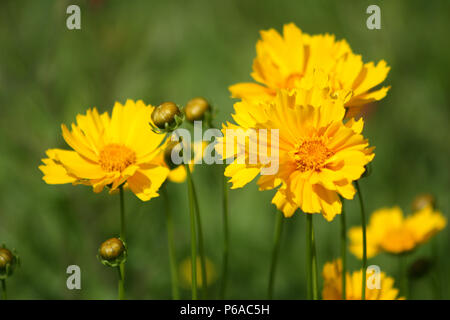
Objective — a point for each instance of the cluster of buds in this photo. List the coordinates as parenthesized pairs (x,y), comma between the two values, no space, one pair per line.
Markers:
(112,252)
(9,260)
(168,116)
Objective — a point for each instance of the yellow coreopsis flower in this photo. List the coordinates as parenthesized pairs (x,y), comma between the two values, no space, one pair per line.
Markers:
(389,231)
(319,156)
(110,151)
(332,285)
(286,61)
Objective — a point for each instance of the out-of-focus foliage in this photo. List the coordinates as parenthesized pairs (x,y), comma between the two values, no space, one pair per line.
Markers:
(176,50)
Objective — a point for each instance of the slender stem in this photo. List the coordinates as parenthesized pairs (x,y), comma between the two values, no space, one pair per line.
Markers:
(315,283)
(403,275)
(223,285)
(363,225)
(275,250)
(435,274)
(343,251)
(4,293)
(193,233)
(171,245)
(311,260)
(123,237)
(200,243)
(308,256)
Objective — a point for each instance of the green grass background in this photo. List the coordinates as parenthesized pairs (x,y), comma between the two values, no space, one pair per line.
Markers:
(175,50)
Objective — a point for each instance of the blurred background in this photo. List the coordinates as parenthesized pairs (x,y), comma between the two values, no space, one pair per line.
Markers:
(175,50)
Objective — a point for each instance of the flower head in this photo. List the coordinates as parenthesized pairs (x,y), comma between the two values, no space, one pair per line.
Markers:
(389,231)
(332,284)
(319,156)
(110,151)
(290,60)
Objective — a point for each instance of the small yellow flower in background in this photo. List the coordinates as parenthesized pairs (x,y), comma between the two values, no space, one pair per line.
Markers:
(177,173)
(332,285)
(185,270)
(110,151)
(319,155)
(287,61)
(389,231)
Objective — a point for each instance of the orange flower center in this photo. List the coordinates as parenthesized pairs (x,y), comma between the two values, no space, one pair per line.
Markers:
(398,240)
(311,155)
(116,157)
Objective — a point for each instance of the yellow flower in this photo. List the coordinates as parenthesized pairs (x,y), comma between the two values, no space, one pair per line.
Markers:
(109,151)
(288,60)
(390,232)
(332,284)
(319,155)
(177,173)
(185,271)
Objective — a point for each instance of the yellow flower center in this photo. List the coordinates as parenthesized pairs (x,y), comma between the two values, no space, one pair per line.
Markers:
(116,157)
(398,240)
(311,155)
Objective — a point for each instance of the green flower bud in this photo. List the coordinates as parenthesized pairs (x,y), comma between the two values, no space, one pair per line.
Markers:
(422,201)
(196,109)
(166,115)
(8,262)
(420,268)
(173,145)
(112,252)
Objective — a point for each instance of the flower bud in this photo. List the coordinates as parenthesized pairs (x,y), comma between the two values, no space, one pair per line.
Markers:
(165,115)
(422,201)
(6,257)
(173,145)
(8,261)
(420,268)
(112,252)
(196,109)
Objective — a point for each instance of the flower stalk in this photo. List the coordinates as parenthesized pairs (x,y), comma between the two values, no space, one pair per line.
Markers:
(364,236)
(171,246)
(193,233)
(311,260)
(223,284)
(4,292)
(343,251)
(276,246)
(121,267)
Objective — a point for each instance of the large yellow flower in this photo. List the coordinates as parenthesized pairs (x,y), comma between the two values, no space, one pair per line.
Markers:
(110,151)
(390,232)
(332,286)
(286,61)
(319,155)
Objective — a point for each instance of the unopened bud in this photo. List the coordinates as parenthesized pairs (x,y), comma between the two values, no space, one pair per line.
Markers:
(112,252)
(423,201)
(165,115)
(196,109)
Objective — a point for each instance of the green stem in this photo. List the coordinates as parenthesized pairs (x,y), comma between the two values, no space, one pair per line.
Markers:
(435,274)
(223,285)
(308,256)
(311,260)
(4,293)
(171,245)
(200,242)
(343,251)
(123,238)
(193,233)
(403,275)
(363,225)
(315,282)
(275,250)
